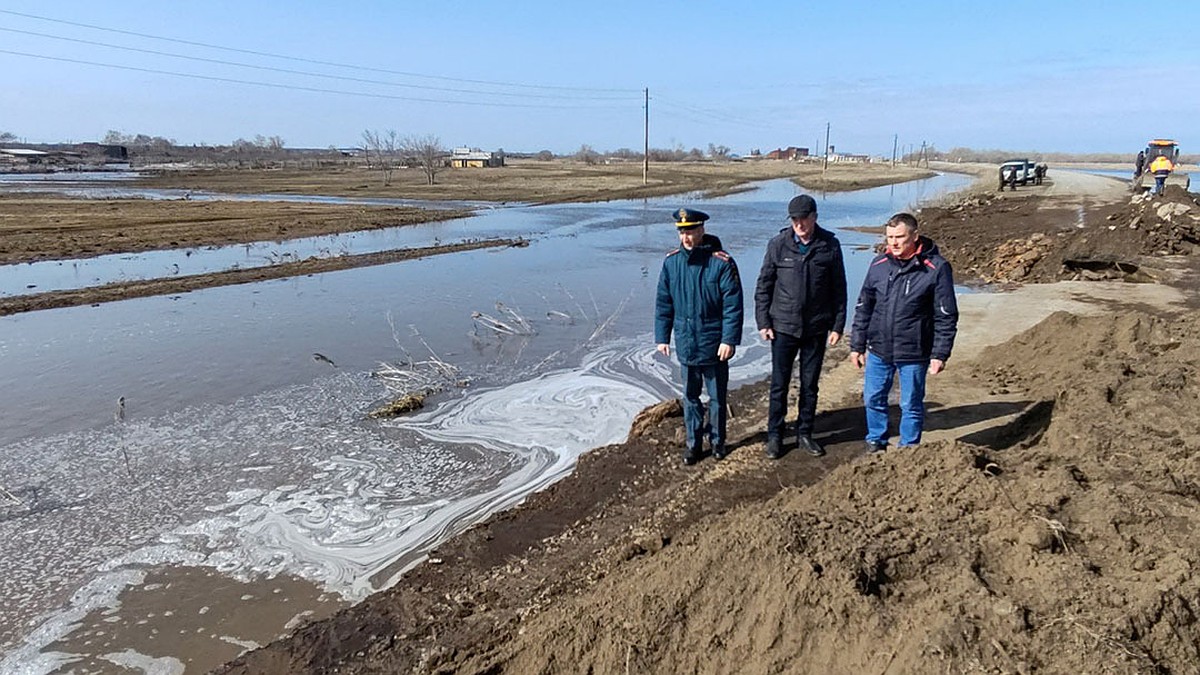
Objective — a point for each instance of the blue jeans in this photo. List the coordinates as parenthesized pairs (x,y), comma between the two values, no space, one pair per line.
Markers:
(877,382)
(715,377)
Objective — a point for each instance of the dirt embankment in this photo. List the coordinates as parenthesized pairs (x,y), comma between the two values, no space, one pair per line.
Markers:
(1034,238)
(1064,541)
(1048,524)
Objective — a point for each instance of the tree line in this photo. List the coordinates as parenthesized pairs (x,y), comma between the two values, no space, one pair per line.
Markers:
(388,150)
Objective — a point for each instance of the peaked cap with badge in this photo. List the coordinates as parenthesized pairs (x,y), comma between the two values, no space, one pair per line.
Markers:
(686,218)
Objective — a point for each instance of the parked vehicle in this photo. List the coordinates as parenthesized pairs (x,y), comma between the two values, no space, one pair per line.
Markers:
(1024,169)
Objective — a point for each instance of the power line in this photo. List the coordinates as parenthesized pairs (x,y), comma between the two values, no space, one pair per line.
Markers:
(292,87)
(309,73)
(313,61)
(699,114)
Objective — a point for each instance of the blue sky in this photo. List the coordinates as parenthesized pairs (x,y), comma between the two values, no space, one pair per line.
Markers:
(1067,76)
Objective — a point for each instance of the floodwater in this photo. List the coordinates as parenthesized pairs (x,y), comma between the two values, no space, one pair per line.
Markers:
(240,488)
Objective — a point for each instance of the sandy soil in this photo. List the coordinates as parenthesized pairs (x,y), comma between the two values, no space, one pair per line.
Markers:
(1047,524)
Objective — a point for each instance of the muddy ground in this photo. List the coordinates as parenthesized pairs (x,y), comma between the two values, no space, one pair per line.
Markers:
(41,227)
(537,182)
(1049,523)
(1028,237)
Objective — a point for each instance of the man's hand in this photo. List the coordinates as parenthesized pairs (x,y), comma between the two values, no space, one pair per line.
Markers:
(725,352)
(858,360)
(664,349)
(834,337)
(767,334)
(936,366)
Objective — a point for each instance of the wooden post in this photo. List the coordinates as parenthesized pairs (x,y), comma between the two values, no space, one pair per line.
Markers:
(826,166)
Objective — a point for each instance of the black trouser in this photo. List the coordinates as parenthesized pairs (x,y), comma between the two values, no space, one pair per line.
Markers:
(784,350)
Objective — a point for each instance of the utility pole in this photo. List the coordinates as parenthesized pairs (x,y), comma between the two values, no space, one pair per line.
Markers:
(923,156)
(895,140)
(826,166)
(646,141)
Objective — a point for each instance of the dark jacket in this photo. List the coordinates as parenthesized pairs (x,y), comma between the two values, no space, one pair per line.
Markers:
(907,310)
(802,295)
(700,301)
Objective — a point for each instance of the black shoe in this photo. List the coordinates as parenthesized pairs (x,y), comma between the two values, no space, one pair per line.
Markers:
(807,444)
(719,453)
(690,458)
(774,448)
(876,447)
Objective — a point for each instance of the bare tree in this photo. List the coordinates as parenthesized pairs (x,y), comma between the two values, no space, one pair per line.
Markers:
(718,151)
(426,152)
(586,154)
(7,137)
(381,147)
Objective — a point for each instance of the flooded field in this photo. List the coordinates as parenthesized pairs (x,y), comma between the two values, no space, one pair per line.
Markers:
(241,488)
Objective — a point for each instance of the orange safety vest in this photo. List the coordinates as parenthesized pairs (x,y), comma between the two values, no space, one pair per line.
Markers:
(1161,163)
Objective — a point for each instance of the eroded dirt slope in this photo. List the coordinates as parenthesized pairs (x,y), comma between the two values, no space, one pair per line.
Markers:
(1067,543)
(1032,238)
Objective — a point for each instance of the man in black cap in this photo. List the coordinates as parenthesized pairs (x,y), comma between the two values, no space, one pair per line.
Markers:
(700,301)
(800,306)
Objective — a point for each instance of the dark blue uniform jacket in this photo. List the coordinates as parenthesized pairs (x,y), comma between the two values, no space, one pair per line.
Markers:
(802,295)
(907,310)
(700,301)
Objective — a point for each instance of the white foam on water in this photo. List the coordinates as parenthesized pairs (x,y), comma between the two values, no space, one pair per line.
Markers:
(165,665)
(353,505)
(99,593)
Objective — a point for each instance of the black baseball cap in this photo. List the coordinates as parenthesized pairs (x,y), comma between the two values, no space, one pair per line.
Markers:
(801,206)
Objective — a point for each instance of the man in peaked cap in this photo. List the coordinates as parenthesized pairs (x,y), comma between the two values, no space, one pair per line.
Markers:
(800,307)
(700,301)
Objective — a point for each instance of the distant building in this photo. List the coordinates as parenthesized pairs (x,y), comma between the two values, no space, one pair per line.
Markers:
(29,157)
(462,158)
(791,152)
(113,153)
(845,157)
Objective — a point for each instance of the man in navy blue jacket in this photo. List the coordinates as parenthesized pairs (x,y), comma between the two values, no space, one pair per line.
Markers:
(700,301)
(800,307)
(905,322)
